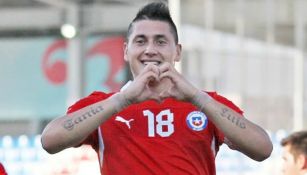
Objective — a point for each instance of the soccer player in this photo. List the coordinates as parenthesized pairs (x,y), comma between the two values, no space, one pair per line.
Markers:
(295,154)
(159,123)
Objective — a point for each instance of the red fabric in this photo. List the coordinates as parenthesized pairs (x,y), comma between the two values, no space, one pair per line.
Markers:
(2,170)
(91,99)
(167,145)
(225,101)
(94,97)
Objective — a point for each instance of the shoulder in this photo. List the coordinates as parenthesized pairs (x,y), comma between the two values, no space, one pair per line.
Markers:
(225,101)
(91,99)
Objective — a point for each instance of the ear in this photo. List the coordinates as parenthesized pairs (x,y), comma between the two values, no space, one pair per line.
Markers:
(125,51)
(178,52)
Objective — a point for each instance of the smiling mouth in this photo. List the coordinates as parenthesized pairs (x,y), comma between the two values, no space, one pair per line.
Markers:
(157,63)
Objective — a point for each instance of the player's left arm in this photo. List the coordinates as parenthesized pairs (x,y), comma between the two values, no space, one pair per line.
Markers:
(240,133)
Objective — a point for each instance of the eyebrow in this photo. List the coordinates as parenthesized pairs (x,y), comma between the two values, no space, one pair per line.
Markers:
(158,36)
(139,36)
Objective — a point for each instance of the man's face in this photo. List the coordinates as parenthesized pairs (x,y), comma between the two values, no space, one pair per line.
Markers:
(289,166)
(150,42)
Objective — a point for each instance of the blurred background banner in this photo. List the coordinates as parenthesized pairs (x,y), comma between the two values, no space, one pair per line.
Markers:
(28,92)
(33,74)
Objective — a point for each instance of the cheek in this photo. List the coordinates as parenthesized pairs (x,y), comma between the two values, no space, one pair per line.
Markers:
(170,56)
(135,67)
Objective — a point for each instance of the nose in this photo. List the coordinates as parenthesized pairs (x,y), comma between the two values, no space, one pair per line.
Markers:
(150,50)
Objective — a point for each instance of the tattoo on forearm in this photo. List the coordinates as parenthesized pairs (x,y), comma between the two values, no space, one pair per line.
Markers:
(70,123)
(226,113)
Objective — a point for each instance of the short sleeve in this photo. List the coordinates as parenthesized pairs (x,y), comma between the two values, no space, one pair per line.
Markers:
(94,97)
(219,134)
(91,99)
(225,101)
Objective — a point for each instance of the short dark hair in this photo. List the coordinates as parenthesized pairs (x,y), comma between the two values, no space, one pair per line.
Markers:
(297,142)
(155,11)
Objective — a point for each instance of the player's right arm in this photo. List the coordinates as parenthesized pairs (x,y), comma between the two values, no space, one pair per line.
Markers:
(72,129)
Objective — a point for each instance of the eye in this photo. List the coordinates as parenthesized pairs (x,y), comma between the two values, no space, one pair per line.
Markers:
(161,42)
(140,41)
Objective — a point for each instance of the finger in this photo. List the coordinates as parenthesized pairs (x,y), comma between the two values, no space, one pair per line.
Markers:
(148,68)
(150,95)
(165,67)
(164,94)
(152,67)
(149,77)
(168,71)
(168,74)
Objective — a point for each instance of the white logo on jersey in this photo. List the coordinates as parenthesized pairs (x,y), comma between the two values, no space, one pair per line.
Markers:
(121,119)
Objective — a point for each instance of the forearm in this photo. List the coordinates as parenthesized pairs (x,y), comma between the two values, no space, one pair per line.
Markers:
(70,130)
(247,137)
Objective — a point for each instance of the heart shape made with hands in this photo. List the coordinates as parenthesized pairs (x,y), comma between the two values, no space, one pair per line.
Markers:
(160,86)
(160,89)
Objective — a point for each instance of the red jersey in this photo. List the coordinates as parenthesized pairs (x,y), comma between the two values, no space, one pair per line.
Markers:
(170,138)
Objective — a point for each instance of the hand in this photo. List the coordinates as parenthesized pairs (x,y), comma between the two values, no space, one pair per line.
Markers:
(143,86)
(180,88)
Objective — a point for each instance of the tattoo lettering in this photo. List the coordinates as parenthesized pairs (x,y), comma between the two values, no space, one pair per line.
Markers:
(70,123)
(235,120)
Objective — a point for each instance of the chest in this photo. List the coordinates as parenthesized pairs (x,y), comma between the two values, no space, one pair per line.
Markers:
(176,123)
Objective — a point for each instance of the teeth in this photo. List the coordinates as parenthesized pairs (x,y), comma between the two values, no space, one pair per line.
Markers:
(151,62)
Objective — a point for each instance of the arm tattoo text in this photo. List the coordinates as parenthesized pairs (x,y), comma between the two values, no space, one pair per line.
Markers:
(226,113)
(70,123)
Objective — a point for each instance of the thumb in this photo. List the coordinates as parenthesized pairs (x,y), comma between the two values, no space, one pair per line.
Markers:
(154,96)
(165,94)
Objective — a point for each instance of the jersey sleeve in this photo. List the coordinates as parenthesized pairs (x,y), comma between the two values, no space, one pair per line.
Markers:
(219,134)
(94,97)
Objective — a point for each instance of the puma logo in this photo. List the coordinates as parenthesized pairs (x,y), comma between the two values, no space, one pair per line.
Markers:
(121,119)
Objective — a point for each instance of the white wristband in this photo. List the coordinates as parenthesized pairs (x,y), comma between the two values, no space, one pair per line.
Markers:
(120,101)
